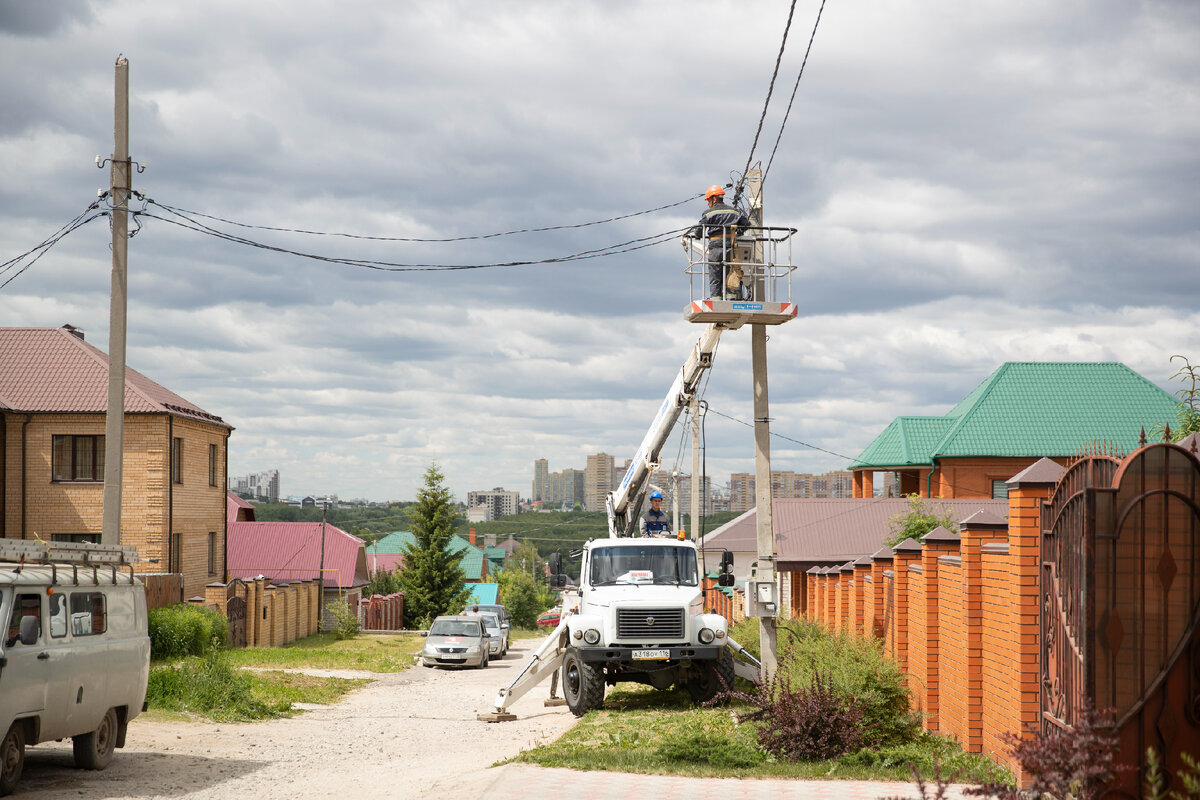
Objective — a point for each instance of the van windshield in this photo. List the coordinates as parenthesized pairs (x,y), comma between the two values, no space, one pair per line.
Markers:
(636,565)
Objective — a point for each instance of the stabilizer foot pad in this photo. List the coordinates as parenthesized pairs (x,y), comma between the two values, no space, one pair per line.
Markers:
(554,702)
(496,716)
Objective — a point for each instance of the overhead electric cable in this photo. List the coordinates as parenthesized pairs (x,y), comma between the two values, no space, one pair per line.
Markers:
(770,89)
(392,266)
(186,212)
(799,75)
(44,247)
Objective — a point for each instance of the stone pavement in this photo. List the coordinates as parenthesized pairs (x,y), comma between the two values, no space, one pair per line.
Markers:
(528,782)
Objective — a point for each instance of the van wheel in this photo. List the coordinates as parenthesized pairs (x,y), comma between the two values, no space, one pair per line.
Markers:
(12,758)
(95,750)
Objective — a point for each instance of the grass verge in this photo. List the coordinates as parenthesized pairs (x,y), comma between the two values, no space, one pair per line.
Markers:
(392,653)
(645,731)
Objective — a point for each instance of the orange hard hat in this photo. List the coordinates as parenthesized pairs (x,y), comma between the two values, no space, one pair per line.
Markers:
(714,191)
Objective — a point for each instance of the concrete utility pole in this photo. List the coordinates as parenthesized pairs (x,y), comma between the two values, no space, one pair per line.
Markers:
(114,426)
(762,448)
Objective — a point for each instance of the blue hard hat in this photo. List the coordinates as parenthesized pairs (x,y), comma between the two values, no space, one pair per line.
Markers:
(656,495)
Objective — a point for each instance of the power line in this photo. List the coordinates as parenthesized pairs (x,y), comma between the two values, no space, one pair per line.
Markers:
(762,117)
(189,223)
(44,247)
(185,212)
(783,124)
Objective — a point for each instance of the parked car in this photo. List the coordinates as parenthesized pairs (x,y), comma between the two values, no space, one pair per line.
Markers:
(495,608)
(497,631)
(550,619)
(456,641)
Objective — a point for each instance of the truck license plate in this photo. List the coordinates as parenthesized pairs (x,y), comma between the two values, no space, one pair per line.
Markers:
(651,655)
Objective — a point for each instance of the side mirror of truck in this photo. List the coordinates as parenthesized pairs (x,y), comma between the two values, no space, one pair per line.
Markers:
(557,579)
(725,578)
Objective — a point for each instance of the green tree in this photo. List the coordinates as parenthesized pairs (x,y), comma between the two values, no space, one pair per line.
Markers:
(1187,413)
(524,598)
(432,578)
(920,518)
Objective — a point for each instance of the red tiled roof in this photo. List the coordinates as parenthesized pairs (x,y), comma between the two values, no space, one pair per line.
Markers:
(812,529)
(53,370)
(291,551)
(237,509)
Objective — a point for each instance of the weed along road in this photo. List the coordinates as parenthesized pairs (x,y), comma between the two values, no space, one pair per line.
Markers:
(407,735)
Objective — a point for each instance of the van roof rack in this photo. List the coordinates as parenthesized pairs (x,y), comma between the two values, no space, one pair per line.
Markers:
(38,551)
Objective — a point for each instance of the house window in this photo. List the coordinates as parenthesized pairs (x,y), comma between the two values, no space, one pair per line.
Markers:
(212,465)
(78,458)
(77,538)
(999,490)
(177,460)
(212,553)
(175,560)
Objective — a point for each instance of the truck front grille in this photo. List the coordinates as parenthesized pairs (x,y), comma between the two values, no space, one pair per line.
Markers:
(656,624)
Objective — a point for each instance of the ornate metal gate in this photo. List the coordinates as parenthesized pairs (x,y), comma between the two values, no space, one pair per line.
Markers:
(1120,586)
(236,594)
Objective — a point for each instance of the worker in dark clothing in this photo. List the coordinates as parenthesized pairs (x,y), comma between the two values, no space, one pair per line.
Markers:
(655,521)
(718,227)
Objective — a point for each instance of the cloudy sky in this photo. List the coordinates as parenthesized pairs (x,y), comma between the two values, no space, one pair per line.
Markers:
(972,183)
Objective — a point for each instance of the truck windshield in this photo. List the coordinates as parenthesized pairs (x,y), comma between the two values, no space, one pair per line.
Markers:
(661,565)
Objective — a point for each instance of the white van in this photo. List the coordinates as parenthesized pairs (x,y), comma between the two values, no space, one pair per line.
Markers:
(75,653)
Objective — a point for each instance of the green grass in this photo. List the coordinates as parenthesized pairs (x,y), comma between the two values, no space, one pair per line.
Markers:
(645,731)
(251,684)
(391,653)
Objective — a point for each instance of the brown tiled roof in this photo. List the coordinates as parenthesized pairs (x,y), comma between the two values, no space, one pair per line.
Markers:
(52,370)
(834,531)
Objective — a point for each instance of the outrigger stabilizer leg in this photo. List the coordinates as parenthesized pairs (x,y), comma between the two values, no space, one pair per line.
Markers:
(741,668)
(545,663)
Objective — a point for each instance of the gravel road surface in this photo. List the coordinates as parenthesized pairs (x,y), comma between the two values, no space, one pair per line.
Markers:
(406,735)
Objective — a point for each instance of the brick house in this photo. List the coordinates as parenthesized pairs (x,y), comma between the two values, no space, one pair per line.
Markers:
(1022,412)
(53,396)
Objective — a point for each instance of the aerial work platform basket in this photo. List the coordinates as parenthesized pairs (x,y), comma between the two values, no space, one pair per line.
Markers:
(757,280)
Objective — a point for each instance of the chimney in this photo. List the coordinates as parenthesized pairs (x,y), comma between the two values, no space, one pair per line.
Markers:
(472,537)
(489,540)
(71,329)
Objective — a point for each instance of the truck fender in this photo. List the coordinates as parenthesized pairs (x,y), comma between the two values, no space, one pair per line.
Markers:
(715,621)
(580,623)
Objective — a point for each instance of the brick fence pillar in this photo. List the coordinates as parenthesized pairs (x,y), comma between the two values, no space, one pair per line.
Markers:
(881,561)
(935,544)
(860,621)
(976,530)
(905,554)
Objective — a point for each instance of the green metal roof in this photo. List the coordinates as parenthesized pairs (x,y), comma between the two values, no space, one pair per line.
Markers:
(399,541)
(1030,409)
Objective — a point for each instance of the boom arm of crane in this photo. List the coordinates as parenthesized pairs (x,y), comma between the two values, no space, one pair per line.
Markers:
(626,498)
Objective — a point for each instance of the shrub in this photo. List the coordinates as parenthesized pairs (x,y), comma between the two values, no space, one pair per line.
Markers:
(345,619)
(1157,779)
(811,724)
(859,669)
(184,630)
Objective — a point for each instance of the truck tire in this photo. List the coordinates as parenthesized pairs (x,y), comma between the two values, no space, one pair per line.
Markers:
(583,684)
(95,750)
(12,757)
(708,682)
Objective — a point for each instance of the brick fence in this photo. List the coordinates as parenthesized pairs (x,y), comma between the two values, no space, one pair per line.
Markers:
(275,614)
(959,613)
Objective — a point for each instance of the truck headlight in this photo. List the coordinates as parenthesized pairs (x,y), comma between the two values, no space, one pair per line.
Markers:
(591,636)
(706,635)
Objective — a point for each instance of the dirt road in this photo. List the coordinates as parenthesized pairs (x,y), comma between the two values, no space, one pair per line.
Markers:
(404,736)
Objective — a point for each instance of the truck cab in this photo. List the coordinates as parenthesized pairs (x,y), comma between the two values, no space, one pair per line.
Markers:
(639,616)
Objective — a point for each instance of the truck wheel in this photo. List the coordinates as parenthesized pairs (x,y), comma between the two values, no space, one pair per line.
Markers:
(12,758)
(708,683)
(95,750)
(583,685)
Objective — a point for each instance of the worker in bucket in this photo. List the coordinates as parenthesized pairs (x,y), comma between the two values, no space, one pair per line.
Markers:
(718,228)
(655,521)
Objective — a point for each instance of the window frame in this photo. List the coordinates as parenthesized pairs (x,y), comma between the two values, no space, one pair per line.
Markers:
(177,460)
(212,465)
(72,472)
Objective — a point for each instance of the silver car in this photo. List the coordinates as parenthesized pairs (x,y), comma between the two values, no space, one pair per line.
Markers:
(456,641)
(497,630)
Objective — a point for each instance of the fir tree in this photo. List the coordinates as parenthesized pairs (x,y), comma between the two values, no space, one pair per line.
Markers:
(432,578)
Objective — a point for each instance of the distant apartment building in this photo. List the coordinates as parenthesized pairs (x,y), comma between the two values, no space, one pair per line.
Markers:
(500,502)
(597,481)
(481,513)
(263,486)
(685,493)
(541,481)
(787,484)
